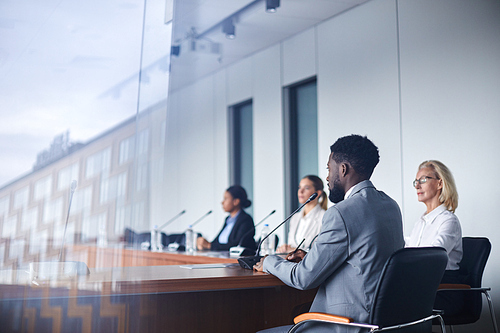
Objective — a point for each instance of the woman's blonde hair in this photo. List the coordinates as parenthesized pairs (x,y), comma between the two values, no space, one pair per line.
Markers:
(449,194)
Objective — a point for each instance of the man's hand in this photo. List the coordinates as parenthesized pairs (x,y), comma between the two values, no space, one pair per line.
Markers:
(259,267)
(296,256)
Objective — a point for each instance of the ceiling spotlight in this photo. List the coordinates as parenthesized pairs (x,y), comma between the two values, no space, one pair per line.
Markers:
(228,28)
(271,5)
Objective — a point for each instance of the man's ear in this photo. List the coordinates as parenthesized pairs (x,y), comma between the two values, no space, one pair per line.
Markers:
(344,169)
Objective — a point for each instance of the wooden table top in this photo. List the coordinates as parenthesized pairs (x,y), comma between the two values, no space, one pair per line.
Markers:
(117,256)
(152,273)
(164,279)
(144,280)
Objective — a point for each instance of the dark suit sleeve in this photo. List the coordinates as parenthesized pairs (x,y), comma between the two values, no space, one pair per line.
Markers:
(242,233)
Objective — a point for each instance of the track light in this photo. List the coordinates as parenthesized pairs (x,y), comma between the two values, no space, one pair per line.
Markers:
(228,28)
(271,5)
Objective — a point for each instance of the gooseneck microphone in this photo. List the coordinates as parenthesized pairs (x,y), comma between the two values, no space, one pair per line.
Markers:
(239,250)
(248,262)
(74,183)
(171,220)
(175,246)
(44,270)
(201,218)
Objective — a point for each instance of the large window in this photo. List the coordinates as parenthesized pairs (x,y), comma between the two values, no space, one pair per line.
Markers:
(43,188)
(67,175)
(301,137)
(241,146)
(83,88)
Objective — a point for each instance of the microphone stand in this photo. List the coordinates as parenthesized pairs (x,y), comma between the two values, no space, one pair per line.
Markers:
(171,220)
(201,218)
(249,262)
(239,250)
(72,191)
(59,268)
(176,246)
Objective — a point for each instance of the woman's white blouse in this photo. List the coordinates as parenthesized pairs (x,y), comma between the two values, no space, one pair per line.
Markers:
(439,228)
(305,227)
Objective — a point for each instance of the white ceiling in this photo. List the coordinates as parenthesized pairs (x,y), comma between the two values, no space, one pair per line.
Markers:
(255,30)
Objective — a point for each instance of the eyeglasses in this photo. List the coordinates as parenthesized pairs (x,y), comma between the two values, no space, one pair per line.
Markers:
(421,180)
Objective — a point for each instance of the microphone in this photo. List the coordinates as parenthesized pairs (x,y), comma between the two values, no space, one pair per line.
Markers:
(239,250)
(201,218)
(59,269)
(176,246)
(248,262)
(74,183)
(171,220)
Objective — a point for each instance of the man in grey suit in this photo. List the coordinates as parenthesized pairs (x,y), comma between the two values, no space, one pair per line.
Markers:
(357,236)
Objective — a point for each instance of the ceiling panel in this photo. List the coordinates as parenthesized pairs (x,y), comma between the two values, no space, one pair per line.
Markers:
(199,23)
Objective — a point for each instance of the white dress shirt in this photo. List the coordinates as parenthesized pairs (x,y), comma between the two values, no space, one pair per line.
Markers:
(439,228)
(305,227)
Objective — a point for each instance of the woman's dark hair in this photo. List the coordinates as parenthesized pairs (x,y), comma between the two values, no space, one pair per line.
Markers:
(238,192)
(318,186)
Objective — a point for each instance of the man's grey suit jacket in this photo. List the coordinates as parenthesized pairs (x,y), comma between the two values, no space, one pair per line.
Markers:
(357,237)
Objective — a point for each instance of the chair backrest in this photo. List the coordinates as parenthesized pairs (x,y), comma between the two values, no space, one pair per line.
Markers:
(476,253)
(407,286)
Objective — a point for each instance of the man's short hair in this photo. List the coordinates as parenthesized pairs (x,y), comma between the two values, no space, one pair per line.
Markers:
(358,151)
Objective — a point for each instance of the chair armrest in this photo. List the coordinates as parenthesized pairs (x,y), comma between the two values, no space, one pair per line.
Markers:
(327,318)
(322,317)
(461,287)
(453,286)
(347,321)
(482,289)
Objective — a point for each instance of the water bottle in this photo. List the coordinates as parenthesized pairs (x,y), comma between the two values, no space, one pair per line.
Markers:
(159,244)
(265,247)
(271,241)
(154,239)
(190,246)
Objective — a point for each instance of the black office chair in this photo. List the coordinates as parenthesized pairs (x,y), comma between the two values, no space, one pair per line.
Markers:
(475,255)
(135,239)
(404,296)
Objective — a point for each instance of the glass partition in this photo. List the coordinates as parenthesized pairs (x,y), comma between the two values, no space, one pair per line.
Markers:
(114,120)
(83,91)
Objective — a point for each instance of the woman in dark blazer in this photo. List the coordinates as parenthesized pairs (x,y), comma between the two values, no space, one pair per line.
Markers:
(238,227)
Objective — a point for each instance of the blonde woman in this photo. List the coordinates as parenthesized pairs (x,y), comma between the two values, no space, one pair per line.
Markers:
(439,226)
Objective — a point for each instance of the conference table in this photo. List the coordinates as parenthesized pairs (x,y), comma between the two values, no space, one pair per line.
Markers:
(199,292)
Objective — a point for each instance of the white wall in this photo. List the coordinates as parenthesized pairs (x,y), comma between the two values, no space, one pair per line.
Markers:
(268,138)
(450,70)
(299,56)
(358,86)
(421,78)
